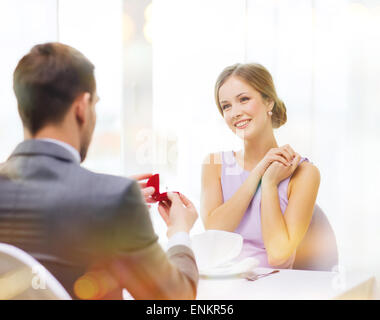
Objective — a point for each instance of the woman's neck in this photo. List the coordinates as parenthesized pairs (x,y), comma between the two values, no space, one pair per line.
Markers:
(256,149)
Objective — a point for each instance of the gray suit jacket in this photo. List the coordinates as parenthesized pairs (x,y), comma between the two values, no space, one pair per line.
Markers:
(75,221)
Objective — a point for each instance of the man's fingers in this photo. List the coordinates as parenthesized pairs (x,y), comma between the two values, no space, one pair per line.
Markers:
(142,185)
(150,200)
(141,176)
(163,212)
(174,197)
(166,204)
(186,201)
(147,191)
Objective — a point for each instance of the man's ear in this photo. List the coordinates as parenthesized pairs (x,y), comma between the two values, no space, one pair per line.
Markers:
(81,104)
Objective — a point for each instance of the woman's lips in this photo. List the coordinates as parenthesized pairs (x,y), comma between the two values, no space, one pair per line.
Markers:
(242,124)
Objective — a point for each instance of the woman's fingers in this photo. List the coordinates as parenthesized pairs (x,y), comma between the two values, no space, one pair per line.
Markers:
(284,154)
(277,154)
(286,151)
(290,152)
(280,159)
(296,161)
(287,154)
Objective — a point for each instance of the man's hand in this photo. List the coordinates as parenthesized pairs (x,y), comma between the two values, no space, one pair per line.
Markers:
(146,191)
(179,215)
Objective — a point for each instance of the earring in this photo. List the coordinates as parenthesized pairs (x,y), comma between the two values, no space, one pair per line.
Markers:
(270,113)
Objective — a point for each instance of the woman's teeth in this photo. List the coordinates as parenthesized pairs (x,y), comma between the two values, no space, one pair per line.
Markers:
(242,124)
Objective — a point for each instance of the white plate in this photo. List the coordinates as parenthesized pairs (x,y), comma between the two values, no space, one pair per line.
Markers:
(215,247)
(230,269)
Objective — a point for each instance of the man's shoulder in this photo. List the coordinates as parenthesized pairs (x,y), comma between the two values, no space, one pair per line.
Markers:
(104,183)
(105,177)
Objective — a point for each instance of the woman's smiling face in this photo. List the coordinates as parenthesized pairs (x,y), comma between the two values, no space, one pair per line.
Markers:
(244,109)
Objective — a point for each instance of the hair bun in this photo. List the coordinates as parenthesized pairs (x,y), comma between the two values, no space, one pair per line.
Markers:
(279,116)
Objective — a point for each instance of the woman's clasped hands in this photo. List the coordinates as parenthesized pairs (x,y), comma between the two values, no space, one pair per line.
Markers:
(278,164)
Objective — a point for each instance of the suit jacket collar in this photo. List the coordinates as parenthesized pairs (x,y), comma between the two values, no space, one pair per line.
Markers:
(38,147)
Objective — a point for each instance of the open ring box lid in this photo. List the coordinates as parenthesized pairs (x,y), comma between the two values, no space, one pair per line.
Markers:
(154,181)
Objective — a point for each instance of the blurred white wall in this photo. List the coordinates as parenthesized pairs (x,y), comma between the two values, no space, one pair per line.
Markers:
(22,25)
(190,47)
(323,56)
(95,27)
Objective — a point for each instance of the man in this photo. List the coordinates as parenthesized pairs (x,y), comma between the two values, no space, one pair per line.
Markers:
(91,231)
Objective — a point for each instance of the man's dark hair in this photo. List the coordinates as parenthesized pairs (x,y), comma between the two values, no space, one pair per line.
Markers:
(46,82)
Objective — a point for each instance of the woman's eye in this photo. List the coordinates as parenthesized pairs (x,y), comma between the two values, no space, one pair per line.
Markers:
(226,106)
(243,99)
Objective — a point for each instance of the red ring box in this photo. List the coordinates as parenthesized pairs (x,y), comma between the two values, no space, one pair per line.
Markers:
(154,181)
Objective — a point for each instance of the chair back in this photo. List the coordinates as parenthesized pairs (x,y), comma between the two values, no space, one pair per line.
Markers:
(23,278)
(318,250)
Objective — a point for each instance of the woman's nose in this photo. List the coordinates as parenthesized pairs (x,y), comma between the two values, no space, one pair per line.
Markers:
(236,112)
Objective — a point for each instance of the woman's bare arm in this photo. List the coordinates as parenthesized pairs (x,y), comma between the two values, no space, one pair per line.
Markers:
(216,214)
(282,233)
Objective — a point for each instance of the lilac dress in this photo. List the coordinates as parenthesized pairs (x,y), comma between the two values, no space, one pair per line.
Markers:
(249,228)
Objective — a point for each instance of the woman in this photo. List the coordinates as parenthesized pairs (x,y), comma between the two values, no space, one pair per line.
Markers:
(264,192)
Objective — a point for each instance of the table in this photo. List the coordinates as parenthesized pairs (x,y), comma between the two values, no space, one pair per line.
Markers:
(289,284)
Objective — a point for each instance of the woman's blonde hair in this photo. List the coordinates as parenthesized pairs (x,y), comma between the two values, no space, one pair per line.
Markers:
(261,80)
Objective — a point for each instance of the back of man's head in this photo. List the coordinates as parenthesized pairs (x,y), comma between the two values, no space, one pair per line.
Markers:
(46,82)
